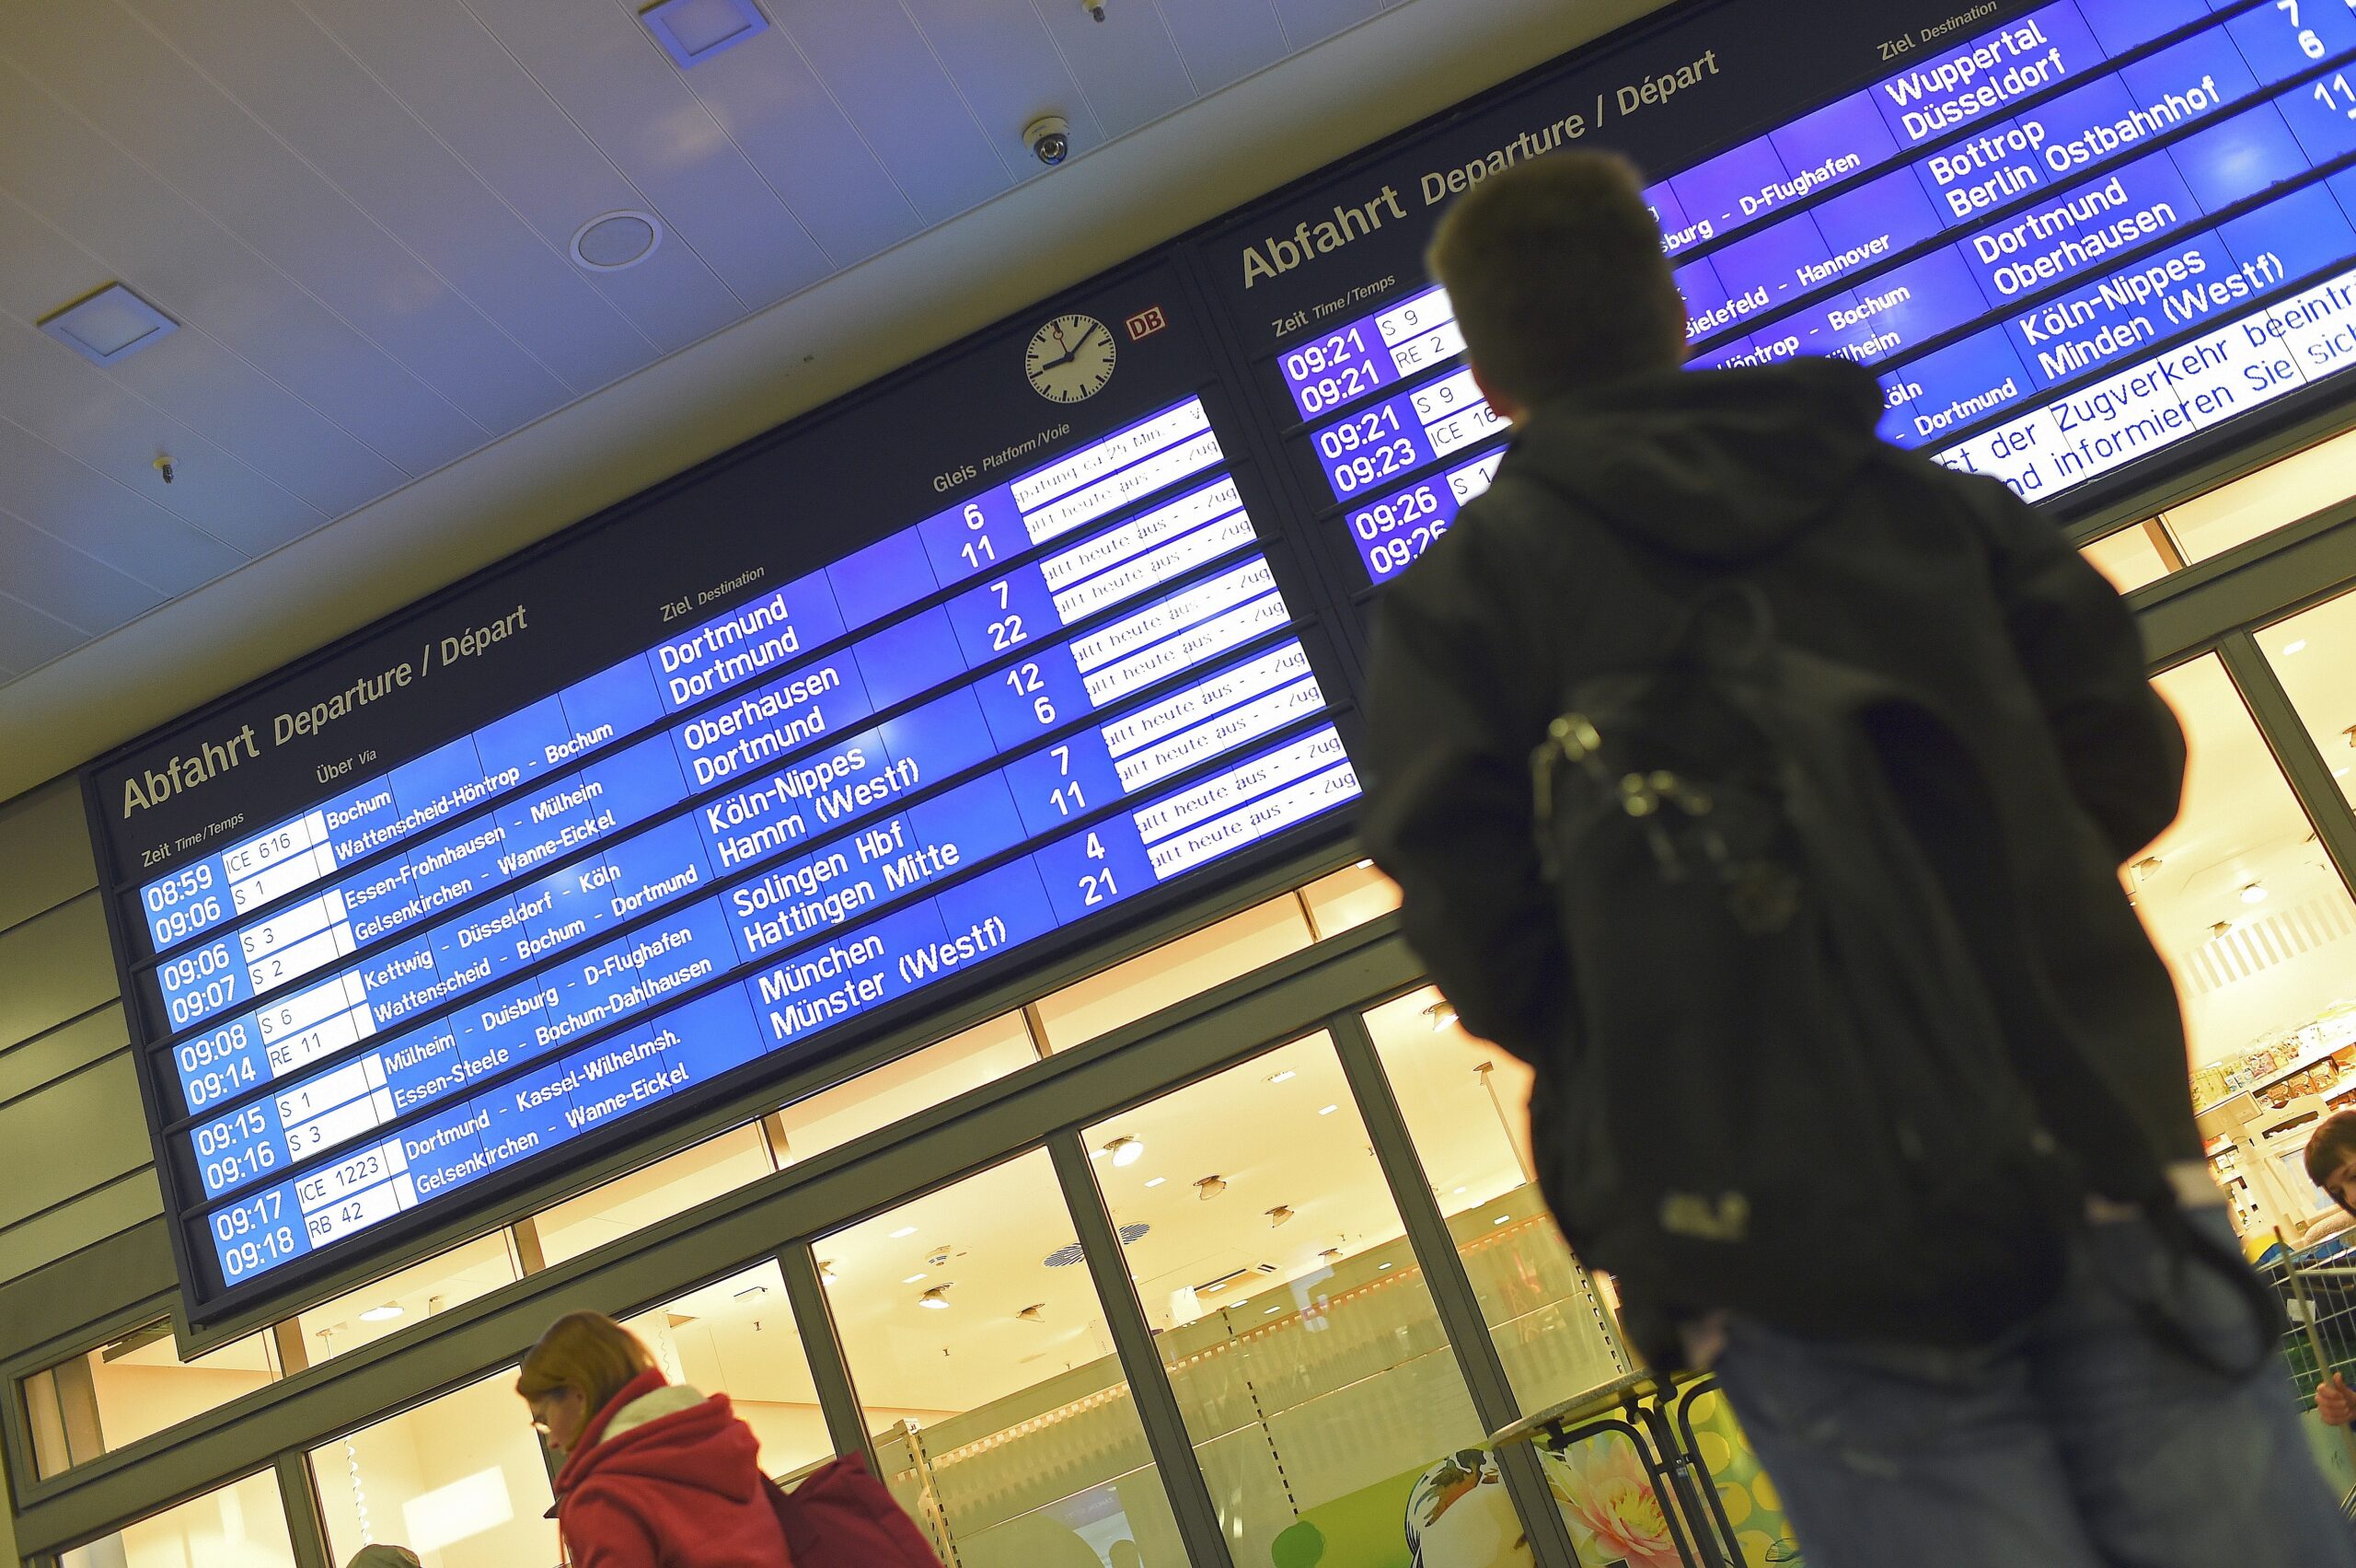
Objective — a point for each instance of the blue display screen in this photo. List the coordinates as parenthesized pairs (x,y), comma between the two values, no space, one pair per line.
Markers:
(2063,241)
(1027,708)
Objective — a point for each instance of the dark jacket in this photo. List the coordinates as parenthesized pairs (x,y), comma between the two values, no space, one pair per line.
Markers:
(664,1477)
(1613,508)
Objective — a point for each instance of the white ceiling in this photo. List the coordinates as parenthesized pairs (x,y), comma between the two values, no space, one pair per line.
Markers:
(388,369)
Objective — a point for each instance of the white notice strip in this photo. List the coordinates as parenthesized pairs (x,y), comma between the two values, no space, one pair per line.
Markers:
(1173,559)
(1268,814)
(1142,533)
(1253,720)
(1132,483)
(1204,640)
(1276,667)
(1114,451)
(1314,752)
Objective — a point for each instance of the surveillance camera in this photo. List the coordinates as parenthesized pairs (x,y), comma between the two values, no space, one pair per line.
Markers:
(1049,139)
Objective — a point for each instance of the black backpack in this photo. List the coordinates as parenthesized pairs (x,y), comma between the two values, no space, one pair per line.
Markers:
(1790,1092)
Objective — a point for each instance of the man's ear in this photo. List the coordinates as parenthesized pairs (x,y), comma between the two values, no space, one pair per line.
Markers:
(1505,408)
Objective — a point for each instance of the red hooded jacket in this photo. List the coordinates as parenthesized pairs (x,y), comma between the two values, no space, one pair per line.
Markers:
(674,1485)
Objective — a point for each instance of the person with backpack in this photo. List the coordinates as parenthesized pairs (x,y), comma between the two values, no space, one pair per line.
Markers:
(655,1475)
(1763,786)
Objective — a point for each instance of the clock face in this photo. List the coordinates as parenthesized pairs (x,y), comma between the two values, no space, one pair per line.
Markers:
(1069,358)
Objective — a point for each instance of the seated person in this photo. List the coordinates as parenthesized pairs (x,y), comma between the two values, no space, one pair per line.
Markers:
(2331,1165)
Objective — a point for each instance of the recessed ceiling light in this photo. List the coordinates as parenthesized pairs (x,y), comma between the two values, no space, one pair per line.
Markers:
(1460,1192)
(1157,1182)
(2298,647)
(1273,1311)
(1126,1150)
(1327,1110)
(827,1269)
(384,1314)
(904,1233)
(108,325)
(2339,773)
(1501,1219)
(1441,1014)
(912,1279)
(614,242)
(2254,893)
(1284,1077)
(692,31)
(1279,1215)
(1210,1187)
(936,1298)
(1381,1267)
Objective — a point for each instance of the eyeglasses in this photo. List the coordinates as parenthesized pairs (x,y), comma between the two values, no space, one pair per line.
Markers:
(539,1422)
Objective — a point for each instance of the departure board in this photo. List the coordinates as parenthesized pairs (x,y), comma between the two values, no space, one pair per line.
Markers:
(2066,236)
(982,663)
(580,844)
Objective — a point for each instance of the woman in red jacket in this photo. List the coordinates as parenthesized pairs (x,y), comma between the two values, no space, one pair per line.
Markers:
(655,1475)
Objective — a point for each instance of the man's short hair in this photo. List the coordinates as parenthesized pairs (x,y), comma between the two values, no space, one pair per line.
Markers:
(1555,269)
(2331,1146)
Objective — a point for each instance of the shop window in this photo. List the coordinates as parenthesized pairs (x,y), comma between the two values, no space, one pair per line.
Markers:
(1173,972)
(1348,897)
(898,1089)
(2260,934)
(133,1387)
(657,1192)
(400,1300)
(2275,496)
(242,1525)
(2134,556)
(736,1336)
(1319,1388)
(1466,1104)
(986,1373)
(2314,655)
(458,1479)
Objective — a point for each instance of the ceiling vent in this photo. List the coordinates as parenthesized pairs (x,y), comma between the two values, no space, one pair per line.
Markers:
(617,240)
(110,324)
(692,31)
(1072,1252)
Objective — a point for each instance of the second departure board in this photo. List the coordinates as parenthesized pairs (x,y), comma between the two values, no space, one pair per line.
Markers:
(2066,236)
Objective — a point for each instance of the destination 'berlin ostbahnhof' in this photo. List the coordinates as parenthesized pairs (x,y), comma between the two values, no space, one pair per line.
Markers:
(705,662)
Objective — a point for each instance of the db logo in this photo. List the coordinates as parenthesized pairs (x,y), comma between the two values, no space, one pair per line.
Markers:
(1146,322)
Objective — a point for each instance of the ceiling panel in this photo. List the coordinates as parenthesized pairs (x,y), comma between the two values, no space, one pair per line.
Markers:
(106,518)
(607,73)
(1225,40)
(1126,64)
(117,425)
(137,229)
(30,638)
(76,588)
(1308,21)
(314,96)
(97,424)
(888,80)
(488,111)
(197,139)
(790,127)
(1009,71)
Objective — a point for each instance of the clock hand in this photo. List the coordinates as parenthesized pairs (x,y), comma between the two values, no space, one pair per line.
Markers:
(1074,351)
